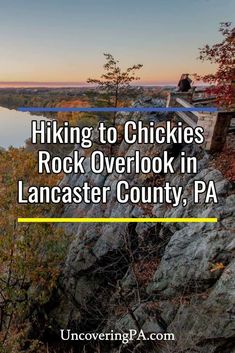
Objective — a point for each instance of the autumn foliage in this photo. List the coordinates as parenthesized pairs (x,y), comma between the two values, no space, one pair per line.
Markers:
(30,254)
(223,55)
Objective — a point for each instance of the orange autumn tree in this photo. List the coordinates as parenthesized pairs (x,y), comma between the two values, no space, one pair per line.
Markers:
(223,55)
(31,255)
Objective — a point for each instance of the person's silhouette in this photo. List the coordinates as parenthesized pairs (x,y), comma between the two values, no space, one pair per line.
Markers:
(184,84)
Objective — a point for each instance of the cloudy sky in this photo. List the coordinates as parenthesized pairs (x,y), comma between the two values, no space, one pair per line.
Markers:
(63,40)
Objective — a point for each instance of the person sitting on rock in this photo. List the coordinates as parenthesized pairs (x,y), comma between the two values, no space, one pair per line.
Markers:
(184,84)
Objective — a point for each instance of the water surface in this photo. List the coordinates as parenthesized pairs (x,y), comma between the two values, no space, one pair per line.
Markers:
(15,127)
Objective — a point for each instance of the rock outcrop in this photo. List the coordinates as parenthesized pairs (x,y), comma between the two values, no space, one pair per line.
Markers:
(171,277)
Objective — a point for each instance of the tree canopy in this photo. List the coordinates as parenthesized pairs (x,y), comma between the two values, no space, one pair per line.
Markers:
(223,55)
(114,81)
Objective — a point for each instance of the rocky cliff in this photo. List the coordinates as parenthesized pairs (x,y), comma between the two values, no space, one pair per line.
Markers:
(172,277)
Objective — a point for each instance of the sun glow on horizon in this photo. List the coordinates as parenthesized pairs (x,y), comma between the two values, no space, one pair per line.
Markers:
(65,41)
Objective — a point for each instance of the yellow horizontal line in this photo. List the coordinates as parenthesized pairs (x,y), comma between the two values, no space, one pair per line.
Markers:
(117,220)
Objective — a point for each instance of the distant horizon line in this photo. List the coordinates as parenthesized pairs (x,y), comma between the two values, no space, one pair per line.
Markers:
(68,84)
(73,83)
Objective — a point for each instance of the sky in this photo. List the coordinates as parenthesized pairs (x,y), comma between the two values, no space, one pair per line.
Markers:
(64,40)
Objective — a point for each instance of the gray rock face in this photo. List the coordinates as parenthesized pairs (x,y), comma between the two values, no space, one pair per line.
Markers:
(209,322)
(192,251)
(173,277)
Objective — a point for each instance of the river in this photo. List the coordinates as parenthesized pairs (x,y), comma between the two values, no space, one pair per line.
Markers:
(15,127)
